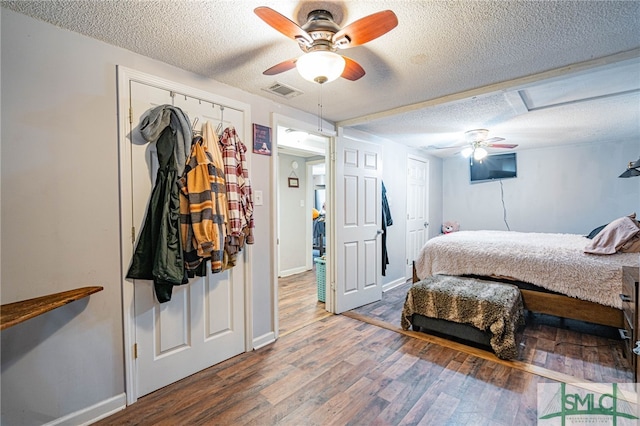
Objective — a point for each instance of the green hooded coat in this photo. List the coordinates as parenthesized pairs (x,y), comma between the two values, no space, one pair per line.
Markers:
(158,255)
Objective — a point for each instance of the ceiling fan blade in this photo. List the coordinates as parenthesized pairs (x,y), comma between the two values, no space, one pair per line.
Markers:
(446,147)
(502,145)
(492,140)
(281,67)
(352,70)
(282,24)
(365,29)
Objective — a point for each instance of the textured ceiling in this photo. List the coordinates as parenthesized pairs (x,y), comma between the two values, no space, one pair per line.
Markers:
(440,51)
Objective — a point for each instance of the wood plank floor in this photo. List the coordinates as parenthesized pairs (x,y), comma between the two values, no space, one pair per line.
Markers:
(298,302)
(569,347)
(338,370)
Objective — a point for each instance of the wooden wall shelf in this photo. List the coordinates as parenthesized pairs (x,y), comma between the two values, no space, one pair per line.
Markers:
(17,312)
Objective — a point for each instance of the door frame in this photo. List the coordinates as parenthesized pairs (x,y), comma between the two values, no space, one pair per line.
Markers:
(278,120)
(124,77)
(308,200)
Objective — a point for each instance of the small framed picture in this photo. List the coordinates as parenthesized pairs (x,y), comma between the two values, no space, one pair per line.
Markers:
(293,182)
(261,139)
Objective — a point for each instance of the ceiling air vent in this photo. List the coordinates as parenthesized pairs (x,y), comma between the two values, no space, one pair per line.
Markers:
(283,90)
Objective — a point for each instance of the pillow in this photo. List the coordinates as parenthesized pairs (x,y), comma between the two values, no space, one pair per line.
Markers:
(614,236)
(595,232)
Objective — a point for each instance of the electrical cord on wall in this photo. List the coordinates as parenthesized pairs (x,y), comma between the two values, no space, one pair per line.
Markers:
(504,208)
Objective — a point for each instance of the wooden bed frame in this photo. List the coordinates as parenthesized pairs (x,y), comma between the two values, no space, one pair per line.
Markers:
(542,301)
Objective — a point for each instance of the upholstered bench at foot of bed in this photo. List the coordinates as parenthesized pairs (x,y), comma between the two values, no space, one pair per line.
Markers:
(471,309)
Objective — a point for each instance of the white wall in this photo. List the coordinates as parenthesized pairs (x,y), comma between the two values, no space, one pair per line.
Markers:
(570,189)
(60,213)
(394,176)
(295,217)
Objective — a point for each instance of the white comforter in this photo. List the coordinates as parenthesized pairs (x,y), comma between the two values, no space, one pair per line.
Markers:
(552,261)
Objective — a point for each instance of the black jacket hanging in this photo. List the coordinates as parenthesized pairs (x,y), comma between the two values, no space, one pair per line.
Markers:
(386,221)
(158,255)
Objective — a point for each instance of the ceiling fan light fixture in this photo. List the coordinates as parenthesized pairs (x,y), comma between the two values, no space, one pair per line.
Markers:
(320,66)
(479,153)
(466,153)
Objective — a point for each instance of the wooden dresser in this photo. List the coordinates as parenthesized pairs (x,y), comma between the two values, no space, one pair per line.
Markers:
(631,312)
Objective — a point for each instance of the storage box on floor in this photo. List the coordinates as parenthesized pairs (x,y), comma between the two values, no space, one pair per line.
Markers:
(320,277)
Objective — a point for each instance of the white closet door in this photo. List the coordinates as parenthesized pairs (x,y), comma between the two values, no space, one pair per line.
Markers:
(417,209)
(203,323)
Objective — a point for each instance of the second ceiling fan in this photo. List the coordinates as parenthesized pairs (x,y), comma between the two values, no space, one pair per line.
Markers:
(320,37)
(476,141)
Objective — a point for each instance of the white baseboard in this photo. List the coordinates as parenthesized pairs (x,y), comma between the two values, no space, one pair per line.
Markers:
(264,340)
(92,414)
(393,284)
(293,271)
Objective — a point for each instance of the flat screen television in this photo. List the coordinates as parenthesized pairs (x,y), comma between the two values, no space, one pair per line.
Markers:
(493,167)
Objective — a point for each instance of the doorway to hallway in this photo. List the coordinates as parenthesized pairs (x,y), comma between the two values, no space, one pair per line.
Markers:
(301,227)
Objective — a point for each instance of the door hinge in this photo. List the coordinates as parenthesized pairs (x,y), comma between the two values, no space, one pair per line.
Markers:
(133,234)
(135,351)
(130,115)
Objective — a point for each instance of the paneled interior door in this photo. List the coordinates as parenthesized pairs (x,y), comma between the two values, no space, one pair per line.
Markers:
(203,323)
(417,209)
(358,195)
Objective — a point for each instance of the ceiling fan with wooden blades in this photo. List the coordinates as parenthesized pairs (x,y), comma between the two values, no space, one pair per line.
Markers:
(320,37)
(476,143)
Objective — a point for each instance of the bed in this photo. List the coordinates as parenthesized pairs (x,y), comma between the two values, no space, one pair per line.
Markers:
(553,272)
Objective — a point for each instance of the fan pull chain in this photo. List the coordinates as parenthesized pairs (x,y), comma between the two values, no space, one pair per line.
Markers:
(320,109)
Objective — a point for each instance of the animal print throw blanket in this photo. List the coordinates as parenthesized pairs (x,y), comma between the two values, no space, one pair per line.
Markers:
(485,305)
